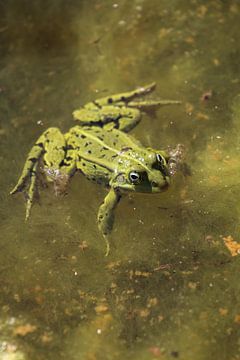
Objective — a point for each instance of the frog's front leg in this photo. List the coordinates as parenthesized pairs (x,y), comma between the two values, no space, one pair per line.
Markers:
(51,147)
(106,215)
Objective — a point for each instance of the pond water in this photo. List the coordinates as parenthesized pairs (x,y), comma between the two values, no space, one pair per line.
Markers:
(170,286)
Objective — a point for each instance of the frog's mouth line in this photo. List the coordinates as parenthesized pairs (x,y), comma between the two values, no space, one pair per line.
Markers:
(147,189)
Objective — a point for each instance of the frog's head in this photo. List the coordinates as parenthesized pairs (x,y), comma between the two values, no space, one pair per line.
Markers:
(145,172)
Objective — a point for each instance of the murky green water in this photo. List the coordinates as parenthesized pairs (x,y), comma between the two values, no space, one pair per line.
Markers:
(170,287)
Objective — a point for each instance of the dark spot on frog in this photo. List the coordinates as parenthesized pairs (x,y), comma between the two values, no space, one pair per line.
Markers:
(89,151)
(97,104)
(64,163)
(123,98)
(110,100)
(127,148)
(83,136)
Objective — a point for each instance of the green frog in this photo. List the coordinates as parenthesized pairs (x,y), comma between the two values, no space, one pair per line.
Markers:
(102,150)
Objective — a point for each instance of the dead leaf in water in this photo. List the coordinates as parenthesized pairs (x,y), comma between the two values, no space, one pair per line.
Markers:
(223,311)
(23,330)
(232,245)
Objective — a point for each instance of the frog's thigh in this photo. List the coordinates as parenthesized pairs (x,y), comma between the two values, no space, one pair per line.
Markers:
(38,149)
(129,119)
(126,96)
(123,118)
(87,116)
(106,214)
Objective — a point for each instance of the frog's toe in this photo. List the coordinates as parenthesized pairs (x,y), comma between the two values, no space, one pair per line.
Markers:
(18,187)
(146,89)
(14,190)
(107,245)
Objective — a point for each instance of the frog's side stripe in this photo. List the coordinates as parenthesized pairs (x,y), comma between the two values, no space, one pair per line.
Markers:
(95,138)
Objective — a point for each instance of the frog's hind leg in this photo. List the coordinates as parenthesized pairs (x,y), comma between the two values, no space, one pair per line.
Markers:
(32,158)
(52,141)
(106,215)
(126,120)
(124,97)
(31,191)
(99,110)
(126,100)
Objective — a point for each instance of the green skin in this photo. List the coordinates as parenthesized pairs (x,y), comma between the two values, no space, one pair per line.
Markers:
(100,148)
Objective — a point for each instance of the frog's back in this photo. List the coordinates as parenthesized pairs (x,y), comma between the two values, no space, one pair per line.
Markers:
(99,150)
(102,143)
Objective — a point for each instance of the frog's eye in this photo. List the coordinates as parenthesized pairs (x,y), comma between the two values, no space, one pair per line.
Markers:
(134,177)
(160,159)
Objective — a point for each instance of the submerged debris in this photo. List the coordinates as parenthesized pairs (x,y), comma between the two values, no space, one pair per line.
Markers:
(23,330)
(207,95)
(233,246)
(175,162)
(60,180)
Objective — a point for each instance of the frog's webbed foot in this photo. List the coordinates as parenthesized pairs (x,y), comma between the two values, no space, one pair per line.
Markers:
(50,147)
(149,105)
(106,215)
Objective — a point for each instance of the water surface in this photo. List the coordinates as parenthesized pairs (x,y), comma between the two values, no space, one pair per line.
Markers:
(170,287)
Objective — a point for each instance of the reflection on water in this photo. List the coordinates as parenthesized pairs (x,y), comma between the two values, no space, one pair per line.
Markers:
(170,287)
